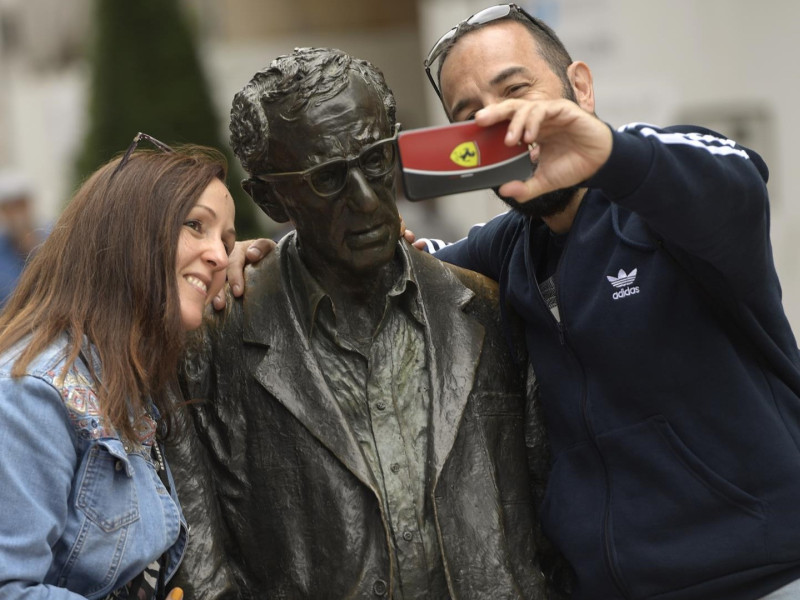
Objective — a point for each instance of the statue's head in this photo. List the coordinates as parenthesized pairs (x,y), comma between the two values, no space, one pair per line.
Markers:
(314,131)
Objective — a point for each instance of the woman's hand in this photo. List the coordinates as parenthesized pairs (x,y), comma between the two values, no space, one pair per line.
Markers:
(244,253)
(175,594)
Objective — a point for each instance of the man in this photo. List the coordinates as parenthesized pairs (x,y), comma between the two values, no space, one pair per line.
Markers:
(364,429)
(640,262)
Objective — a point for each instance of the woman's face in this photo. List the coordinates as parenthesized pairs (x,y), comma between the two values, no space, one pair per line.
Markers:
(206,239)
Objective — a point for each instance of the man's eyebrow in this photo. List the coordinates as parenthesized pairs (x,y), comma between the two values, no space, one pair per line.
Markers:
(494,81)
(506,73)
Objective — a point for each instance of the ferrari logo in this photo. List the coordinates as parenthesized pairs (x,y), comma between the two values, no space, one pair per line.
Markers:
(466,155)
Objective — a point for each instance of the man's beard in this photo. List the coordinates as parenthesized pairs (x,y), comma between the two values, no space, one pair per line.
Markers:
(551,203)
(546,205)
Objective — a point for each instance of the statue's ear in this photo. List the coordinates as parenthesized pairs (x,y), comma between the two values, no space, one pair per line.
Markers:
(267,197)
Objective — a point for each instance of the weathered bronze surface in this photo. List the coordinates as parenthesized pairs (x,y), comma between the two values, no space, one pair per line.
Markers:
(283,486)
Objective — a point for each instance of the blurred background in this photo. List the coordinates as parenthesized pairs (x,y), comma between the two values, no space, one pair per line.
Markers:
(78,78)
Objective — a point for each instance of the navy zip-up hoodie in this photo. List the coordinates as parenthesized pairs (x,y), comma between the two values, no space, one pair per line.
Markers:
(670,386)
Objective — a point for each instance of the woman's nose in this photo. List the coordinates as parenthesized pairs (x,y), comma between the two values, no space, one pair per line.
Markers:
(217,255)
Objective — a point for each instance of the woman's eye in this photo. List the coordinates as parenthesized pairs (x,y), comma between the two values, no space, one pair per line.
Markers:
(194,224)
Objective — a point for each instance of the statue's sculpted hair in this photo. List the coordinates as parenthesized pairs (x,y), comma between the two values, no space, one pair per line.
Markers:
(285,88)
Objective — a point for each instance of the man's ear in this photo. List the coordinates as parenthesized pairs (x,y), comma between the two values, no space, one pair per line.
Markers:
(268,199)
(580,77)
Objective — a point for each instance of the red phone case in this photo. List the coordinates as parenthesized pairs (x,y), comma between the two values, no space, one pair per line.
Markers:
(448,159)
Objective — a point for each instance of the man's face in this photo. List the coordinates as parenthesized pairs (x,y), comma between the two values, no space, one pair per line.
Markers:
(354,232)
(495,63)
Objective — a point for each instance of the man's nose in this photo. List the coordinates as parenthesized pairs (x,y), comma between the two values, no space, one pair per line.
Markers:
(360,194)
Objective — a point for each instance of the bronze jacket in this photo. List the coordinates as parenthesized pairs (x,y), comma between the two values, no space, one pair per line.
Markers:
(278,496)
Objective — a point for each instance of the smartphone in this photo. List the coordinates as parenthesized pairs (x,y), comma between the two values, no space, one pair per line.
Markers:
(460,157)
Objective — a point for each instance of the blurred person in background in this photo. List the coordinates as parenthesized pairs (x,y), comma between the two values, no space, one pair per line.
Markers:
(18,233)
(89,347)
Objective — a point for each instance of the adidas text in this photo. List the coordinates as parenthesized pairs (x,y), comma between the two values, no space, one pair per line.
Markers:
(628,291)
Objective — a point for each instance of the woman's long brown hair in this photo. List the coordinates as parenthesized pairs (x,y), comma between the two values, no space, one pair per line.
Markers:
(107,273)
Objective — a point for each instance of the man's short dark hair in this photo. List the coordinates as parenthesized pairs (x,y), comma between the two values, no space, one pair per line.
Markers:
(551,49)
(292,82)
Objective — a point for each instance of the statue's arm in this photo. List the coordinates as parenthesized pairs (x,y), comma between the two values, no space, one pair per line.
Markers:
(206,572)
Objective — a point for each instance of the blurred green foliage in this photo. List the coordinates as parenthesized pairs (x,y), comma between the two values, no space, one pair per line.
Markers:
(146,76)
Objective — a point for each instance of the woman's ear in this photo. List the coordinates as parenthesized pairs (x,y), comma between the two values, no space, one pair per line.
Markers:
(267,197)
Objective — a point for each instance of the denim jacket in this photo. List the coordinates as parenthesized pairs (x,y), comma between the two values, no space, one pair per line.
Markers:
(82,511)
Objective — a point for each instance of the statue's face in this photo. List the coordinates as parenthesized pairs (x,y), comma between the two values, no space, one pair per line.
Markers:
(355,231)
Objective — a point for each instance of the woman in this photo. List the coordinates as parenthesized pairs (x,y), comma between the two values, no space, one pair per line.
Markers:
(89,348)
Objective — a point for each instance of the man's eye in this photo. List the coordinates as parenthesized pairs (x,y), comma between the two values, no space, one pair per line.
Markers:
(517,90)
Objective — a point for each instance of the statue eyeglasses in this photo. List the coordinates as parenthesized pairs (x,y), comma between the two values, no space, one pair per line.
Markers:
(329,178)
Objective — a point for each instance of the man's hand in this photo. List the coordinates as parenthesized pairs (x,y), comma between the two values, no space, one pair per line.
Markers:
(406,234)
(411,238)
(244,253)
(569,143)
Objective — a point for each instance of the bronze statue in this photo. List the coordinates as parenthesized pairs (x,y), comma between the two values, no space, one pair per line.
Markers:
(363,430)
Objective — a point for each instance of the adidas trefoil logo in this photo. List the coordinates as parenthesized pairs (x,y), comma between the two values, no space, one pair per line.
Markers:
(623,282)
(622,279)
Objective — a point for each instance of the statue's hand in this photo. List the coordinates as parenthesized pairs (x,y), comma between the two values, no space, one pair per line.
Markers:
(244,253)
